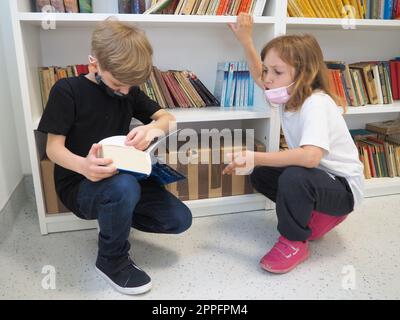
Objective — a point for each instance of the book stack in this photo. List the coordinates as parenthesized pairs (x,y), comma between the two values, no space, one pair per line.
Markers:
(379,148)
(359,84)
(234,87)
(61,6)
(48,76)
(353,9)
(178,89)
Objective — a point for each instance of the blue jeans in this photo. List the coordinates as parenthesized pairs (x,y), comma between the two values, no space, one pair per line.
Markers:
(122,202)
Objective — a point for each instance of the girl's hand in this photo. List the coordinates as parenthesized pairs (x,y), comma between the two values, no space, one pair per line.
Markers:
(242,163)
(96,169)
(243,29)
(140,137)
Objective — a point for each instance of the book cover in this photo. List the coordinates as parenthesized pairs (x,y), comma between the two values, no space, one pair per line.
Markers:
(85,6)
(71,6)
(58,5)
(385,127)
(160,5)
(141,164)
(41,4)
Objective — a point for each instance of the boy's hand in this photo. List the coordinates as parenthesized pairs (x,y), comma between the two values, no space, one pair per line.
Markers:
(242,163)
(140,137)
(96,169)
(243,28)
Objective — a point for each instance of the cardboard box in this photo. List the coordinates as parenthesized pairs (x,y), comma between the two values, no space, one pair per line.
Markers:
(53,203)
(206,181)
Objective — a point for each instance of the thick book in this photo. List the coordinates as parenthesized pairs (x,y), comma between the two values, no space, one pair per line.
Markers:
(141,164)
(385,127)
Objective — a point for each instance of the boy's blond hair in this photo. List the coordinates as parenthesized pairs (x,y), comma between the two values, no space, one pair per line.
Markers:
(122,50)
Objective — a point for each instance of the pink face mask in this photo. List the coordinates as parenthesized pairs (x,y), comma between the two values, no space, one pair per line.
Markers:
(278,95)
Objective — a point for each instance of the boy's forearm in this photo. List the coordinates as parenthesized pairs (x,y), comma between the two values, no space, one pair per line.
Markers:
(65,158)
(293,157)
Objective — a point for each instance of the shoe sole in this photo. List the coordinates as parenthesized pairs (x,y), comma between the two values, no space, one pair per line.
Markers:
(285,270)
(131,291)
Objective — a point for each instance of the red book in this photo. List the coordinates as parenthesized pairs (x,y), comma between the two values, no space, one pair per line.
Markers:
(394,77)
(221,7)
(172,89)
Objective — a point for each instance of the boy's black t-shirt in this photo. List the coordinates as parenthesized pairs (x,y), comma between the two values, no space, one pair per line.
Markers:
(81,111)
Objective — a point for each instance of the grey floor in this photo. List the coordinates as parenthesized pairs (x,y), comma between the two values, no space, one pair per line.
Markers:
(216,259)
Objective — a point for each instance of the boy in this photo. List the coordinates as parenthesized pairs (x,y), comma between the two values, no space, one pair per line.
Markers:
(86,109)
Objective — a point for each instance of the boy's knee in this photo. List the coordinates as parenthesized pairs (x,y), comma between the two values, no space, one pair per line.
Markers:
(124,189)
(181,221)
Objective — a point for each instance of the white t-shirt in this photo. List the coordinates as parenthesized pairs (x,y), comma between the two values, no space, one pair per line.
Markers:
(320,123)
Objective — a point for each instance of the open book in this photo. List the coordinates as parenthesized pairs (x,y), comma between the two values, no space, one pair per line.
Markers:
(142,164)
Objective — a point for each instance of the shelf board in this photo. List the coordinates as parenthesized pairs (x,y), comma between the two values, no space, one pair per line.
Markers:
(90,19)
(219,114)
(200,208)
(370,109)
(209,114)
(345,24)
(376,187)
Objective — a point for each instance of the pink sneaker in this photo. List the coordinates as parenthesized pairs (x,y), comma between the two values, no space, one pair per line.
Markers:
(321,223)
(285,256)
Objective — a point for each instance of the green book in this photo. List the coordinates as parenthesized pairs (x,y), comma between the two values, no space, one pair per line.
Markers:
(85,6)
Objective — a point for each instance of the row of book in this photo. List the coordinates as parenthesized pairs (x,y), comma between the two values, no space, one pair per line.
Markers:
(178,89)
(61,6)
(353,9)
(170,89)
(359,84)
(234,87)
(379,148)
(48,76)
(195,7)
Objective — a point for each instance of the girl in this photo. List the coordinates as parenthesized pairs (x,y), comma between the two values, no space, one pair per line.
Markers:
(319,180)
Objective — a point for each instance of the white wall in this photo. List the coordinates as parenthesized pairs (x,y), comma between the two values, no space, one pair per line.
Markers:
(12,129)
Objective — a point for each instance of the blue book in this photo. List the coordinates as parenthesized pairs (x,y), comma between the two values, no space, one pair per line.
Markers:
(229,85)
(141,164)
(387,14)
(220,82)
(251,91)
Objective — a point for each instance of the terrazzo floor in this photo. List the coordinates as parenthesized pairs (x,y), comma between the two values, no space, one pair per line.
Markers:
(216,259)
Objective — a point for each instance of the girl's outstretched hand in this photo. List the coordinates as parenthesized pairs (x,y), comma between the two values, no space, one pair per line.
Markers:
(243,28)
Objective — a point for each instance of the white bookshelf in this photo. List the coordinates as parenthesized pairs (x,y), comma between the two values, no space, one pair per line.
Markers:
(196,43)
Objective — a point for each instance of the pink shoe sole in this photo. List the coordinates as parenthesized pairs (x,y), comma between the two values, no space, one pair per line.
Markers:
(282,271)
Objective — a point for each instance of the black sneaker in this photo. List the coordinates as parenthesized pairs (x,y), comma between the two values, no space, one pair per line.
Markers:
(123,275)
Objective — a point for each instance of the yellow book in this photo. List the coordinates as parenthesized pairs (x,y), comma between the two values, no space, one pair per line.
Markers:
(310,10)
(316,9)
(295,10)
(327,5)
(323,8)
(340,8)
(360,4)
(302,8)
(335,11)
(349,10)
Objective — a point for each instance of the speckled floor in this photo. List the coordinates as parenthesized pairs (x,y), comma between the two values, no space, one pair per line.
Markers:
(216,259)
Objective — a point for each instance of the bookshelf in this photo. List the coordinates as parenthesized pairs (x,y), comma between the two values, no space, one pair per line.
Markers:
(196,43)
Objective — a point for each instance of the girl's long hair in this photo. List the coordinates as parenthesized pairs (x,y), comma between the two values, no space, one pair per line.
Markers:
(304,54)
